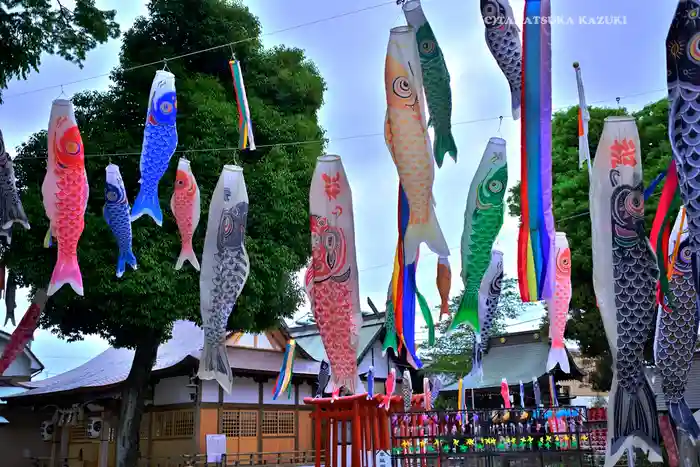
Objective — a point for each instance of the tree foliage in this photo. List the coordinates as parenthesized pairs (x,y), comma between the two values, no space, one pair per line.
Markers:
(285,92)
(570,202)
(452,352)
(29,28)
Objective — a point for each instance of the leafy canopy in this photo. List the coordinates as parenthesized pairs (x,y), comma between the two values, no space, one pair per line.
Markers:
(570,203)
(30,28)
(285,93)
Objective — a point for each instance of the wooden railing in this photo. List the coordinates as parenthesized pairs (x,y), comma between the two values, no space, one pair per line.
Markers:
(281,459)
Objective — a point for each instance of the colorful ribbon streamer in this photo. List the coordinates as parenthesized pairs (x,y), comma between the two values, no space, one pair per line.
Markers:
(584,151)
(245,125)
(536,235)
(286,371)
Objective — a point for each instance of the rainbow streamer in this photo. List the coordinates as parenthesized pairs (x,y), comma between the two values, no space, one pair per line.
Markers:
(245,125)
(286,371)
(404,292)
(536,235)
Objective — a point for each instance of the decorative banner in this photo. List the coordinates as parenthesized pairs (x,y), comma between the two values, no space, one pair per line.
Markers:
(185,205)
(584,152)
(505,393)
(159,144)
(536,390)
(503,40)
(483,219)
(286,371)
(370,383)
(24,332)
(65,193)
(335,288)
(536,235)
(10,303)
(489,295)
(324,376)
(676,331)
(436,81)
(225,270)
(407,390)
(117,214)
(624,279)
(245,124)
(390,386)
(558,305)
(11,209)
(444,282)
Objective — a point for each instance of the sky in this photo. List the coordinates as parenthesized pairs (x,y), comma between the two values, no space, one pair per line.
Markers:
(620,48)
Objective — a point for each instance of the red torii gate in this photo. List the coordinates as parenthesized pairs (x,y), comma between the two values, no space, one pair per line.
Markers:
(369,427)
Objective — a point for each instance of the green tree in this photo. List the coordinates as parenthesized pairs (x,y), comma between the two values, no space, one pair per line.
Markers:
(285,93)
(570,203)
(452,352)
(30,28)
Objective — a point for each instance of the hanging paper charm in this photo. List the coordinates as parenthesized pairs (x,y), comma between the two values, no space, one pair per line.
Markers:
(65,194)
(624,279)
(558,305)
(536,235)
(676,329)
(245,124)
(225,269)
(185,205)
(483,219)
(436,81)
(503,40)
(11,210)
(117,216)
(335,289)
(159,143)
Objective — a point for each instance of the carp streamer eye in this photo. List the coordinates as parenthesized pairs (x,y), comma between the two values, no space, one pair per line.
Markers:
(72,147)
(111,196)
(495,186)
(166,107)
(490,10)
(427,46)
(402,87)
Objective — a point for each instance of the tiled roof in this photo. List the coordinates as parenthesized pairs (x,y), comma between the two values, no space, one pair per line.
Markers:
(521,360)
(112,366)
(308,338)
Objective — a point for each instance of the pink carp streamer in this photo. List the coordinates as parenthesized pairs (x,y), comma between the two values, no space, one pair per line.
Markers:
(536,235)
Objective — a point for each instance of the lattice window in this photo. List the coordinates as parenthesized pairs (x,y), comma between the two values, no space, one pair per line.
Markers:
(174,424)
(145,422)
(239,423)
(278,423)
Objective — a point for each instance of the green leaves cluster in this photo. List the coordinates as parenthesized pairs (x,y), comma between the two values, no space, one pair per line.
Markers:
(570,202)
(285,93)
(29,28)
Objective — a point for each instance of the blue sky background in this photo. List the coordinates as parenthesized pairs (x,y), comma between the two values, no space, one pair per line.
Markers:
(620,60)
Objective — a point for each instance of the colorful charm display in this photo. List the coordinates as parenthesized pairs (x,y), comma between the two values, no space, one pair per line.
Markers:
(584,151)
(536,235)
(676,329)
(117,215)
(65,194)
(407,139)
(11,210)
(483,219)
(624,278)
(503,40)
(24,332)
(558,305)
(159,143)
(225,269)
(245,124)
(185,205)
(334,275)
(489,295)
(436,81)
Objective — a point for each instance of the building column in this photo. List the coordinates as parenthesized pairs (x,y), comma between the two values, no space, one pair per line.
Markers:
(197,419)
(103,456)
(63,453)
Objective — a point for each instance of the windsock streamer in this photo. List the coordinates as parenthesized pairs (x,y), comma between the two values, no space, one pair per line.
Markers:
(505,393)
(584,151)
(536,235)
(24,332)
(245,124)
(286,371)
